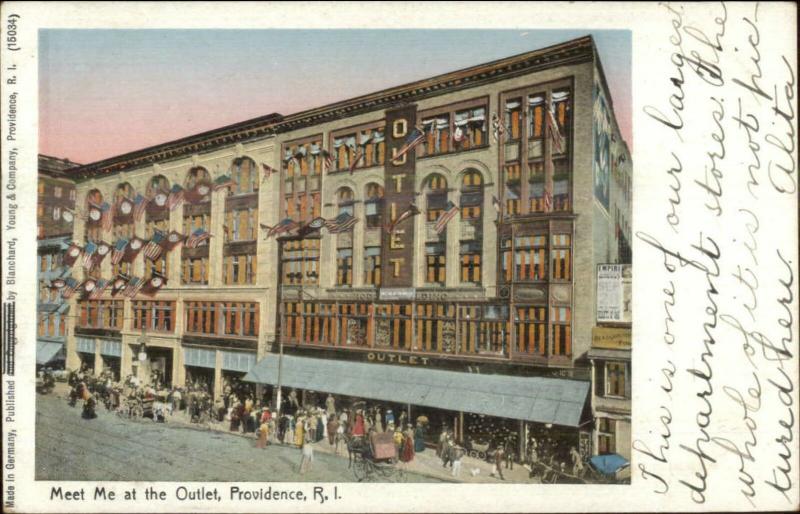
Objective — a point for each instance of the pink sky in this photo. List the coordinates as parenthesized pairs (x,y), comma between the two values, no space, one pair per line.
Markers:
(108,92)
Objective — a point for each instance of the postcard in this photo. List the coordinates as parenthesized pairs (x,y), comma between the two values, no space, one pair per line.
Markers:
(410,257)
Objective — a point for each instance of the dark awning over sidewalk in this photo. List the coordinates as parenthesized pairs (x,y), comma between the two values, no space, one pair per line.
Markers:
(540,399)
(46,351)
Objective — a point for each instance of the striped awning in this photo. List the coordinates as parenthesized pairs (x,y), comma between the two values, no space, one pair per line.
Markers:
(539,399)
(46,351)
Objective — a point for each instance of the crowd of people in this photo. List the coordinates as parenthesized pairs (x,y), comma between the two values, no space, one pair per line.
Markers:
(303,424)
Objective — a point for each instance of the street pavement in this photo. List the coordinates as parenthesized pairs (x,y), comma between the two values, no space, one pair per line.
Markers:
(108,447)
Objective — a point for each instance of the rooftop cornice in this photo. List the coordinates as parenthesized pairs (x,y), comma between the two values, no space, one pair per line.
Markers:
(571,52)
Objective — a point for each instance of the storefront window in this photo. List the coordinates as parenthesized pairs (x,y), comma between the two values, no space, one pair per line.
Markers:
(436,328)
(483,329)
(393,327)
(531,327)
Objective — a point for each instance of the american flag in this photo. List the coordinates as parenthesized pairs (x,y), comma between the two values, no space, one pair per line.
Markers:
(88,255)
(341,223)
(107,215)
(152,286)
(359,154)
(197,238)
(413,139)
(153,248)
(119,250)
(329,160)
(70,284)
(555,133)
(132,287)
(119,283)
(497,127)
(103,249)
(139,206)
(135,245)
(411,211)
(175,197)
(99,287)
(286,225)
(172,240)
(72,254)
(449,213)
(223,181)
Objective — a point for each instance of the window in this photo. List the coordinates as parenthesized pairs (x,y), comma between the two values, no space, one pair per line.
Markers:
(606,436)
(456,130)
(616,379)
(470,128)
(373,205)
(530,262)
(531,327)
(437,135)
(345,200)
(536,148)
(72,195)
(354,325)
(44,262)
(471,196)
(194,270)
(513,191)
(56,213)
(241,225)
(193,222)
(372,266)
(513,118)
(562,331)
(121,267)
(159,266)
(471,262)
(560,257)
(483,329)
(344,267)
(123,204)
(301,262)
(292,321)
(435,263)
(436,328)
(239,269)
(361,149)
(436,197)
(318,322)
(239,319)
(245,175)
(100,314)
(393,327)
(303,159)
(41,187)
(222,318)
(157,316)
(151,226)
(122,231)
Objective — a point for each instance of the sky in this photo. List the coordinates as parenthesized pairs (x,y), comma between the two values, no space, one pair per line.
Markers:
(103,93)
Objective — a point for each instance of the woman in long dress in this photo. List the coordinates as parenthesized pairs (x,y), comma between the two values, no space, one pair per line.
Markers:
(263,434)
(299,432)
(407,453)
(419,438)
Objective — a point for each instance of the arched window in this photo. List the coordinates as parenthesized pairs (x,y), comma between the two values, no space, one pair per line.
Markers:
(344,200)
(94,215)
(373,205)
(245,175)
(157,192)
(470,231)
(124,197)
(435,250)
(344,239)
(197,185)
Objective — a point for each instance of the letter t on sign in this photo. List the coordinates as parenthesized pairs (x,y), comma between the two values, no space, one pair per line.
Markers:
(398,182)
(396,263)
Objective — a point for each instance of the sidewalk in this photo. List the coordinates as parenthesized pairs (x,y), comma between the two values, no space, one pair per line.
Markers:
(424,463)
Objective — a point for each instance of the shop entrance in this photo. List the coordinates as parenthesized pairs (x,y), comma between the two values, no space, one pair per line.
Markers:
(112,365)
(233,381)
(87,362)
(199,378)
(158,367)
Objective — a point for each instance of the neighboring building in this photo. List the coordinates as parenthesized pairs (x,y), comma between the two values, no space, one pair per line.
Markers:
(55,211)
(455,280)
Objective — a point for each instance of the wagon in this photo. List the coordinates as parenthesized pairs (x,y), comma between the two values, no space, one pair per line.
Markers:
(375,459)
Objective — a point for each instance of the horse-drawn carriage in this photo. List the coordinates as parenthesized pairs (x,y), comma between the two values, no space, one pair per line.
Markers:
(374,457)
